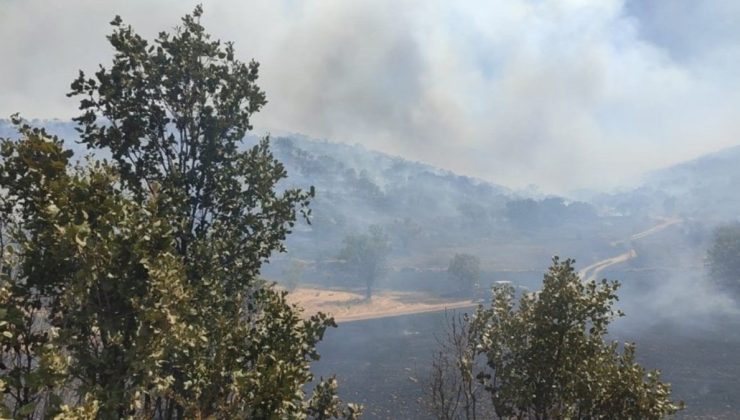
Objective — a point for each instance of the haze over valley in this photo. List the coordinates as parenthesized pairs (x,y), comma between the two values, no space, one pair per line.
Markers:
(370,209)
(653,238)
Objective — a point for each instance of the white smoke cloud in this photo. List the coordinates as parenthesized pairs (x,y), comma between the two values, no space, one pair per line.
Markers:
(560,93)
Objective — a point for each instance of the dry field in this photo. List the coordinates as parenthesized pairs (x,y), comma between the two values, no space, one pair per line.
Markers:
(349,306)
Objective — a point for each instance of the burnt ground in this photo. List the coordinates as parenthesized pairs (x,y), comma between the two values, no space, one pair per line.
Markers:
(382,363)
(703,366)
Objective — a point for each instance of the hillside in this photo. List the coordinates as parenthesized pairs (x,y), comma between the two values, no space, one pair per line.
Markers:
(415,202)
(700,189)
(429,214)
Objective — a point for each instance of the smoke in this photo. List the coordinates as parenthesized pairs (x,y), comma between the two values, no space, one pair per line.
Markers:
(560,93)
(668,284)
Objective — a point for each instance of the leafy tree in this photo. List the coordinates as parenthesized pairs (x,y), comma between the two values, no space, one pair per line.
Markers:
(30,368)
(464,270)
(366,256)
(132,285)
(546,356)
(723,257)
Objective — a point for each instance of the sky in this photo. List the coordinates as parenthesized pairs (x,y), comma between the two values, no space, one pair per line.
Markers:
(562,94)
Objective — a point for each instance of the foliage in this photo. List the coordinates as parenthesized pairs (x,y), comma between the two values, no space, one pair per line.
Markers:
(546,357)
(723,257)
(31,367)
(464,270)
(132,286)
(366,255)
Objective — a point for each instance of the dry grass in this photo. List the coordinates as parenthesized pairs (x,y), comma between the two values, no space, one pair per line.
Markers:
(347,306)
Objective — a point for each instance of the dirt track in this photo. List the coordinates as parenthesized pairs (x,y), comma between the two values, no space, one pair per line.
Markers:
(592,271)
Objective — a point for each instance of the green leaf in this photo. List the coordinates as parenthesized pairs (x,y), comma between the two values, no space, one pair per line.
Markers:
(27,409)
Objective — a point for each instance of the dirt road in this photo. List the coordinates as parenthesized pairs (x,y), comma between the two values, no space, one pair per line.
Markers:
(592,271)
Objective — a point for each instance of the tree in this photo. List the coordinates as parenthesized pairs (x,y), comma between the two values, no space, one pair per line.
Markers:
(464,270)
(453,391)
(132,285)
(546,356)
(366,256)
(723,257)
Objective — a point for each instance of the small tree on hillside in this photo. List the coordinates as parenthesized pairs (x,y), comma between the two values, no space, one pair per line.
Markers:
(464,270)
(545,357)
(366,256)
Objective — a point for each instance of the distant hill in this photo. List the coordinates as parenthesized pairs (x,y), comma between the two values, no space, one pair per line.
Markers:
(704,188)
(420,206)
(707,186)
(357,187)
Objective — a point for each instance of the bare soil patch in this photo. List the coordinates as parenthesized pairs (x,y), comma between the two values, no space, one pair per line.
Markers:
(347,306)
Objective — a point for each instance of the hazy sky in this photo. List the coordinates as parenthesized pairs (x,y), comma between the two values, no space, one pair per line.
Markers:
(560,93)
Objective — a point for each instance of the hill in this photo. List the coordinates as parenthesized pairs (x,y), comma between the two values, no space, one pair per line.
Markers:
(699,189)
(429,213)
